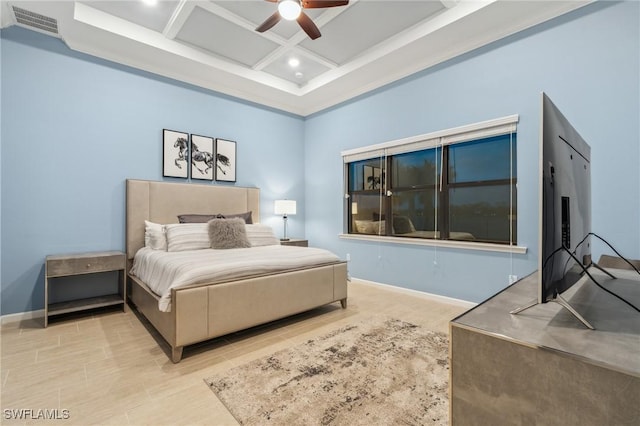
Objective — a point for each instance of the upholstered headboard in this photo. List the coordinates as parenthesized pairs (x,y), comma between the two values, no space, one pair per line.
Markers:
(162,202)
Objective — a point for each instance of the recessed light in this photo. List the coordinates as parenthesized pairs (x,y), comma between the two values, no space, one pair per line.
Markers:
(299,74)
(294,62)
(150,2)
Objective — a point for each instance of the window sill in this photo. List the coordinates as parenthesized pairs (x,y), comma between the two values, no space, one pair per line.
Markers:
(467,245)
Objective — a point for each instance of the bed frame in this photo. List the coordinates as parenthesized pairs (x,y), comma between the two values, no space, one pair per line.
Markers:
(201,312)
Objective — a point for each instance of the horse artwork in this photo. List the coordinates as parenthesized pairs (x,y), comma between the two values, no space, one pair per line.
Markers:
(225,160)
(183,145)
(175,146)
(222,162)
(201,157)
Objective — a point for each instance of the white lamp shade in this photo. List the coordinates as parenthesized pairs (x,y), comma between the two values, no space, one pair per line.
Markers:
(285,207)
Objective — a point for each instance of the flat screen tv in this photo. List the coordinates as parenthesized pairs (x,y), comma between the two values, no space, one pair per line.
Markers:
(565,204)
(565,208)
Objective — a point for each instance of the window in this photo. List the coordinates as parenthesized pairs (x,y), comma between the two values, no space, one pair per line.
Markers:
(458,184)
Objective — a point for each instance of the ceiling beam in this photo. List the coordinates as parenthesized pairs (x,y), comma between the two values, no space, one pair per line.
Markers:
(178,19)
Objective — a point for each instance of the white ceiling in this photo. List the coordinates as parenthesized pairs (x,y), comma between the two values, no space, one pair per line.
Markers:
(213,44)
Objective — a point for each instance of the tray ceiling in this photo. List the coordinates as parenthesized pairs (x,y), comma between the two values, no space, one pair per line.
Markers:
(213,44)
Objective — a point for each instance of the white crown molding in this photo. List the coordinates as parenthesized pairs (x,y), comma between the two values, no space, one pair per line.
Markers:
(460,28)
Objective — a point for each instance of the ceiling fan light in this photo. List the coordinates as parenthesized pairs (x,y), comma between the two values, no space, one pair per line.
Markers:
(289,9)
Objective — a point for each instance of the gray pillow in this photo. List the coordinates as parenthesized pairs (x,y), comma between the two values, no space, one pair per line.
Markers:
(195,218)
(204,218)
(248,219)
(228,234)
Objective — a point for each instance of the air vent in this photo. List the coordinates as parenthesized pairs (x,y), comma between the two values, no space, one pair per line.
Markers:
(35,20)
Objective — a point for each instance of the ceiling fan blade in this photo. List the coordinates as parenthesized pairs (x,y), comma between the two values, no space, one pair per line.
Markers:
(308,26)
(318,4)
(270,22)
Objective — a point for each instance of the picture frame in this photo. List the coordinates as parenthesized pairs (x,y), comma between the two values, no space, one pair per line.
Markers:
(373,177)
(175,154)
(225,168)
(367,177)
(202,157)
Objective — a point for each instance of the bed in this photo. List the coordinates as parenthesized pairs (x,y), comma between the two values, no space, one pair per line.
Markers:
(204,310)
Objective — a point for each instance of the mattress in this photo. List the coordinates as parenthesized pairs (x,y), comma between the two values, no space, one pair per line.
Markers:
(162,271)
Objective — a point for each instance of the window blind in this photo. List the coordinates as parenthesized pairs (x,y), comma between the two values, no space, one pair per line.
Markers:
(484,129)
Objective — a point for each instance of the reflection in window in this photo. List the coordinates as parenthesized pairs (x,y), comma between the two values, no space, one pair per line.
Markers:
(456,189)
(415,169)
(366,175)
(414,213)
(481,211)
(481,160)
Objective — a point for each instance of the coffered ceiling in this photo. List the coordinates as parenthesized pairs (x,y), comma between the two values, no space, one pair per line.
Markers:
(213,44)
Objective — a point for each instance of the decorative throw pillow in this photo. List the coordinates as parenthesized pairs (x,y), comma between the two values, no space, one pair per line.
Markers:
(187,236)
(228,234)
(155,236)
(261,235)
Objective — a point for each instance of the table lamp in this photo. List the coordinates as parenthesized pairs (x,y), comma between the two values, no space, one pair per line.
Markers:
(285,207)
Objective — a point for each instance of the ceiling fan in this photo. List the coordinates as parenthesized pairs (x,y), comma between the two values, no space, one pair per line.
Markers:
(292,9)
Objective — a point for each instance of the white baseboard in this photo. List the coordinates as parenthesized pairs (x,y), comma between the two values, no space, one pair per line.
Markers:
(21,316)
(422,294)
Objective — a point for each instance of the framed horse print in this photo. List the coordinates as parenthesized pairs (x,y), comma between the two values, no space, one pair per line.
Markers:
(175,154)
(225,160)
(201,157)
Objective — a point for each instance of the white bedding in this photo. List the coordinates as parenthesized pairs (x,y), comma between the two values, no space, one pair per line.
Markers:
(162,270)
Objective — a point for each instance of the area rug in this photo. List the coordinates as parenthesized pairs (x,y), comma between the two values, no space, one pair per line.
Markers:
(386,372)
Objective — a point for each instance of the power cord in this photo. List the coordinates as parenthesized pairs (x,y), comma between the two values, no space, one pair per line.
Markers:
(596,282)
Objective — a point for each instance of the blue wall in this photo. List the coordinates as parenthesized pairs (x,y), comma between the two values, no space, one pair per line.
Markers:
(75,127)
(586,61)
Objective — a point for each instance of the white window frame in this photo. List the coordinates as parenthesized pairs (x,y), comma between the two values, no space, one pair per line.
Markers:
(475,131)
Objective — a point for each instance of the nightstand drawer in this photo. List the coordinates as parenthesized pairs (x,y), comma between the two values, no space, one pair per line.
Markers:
(73,265)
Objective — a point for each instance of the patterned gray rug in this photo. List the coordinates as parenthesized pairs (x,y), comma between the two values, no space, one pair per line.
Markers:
(379,373)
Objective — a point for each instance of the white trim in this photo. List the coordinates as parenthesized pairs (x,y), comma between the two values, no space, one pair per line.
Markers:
(466,245)
(472,131)
(421,294)
(21,316)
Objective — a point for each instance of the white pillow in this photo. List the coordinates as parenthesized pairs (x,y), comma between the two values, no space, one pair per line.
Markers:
(370,227)
(155,236)
(363,226)
(261,235)
(187,236)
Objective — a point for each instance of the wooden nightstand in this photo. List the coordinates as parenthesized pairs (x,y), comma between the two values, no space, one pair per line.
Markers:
(79,264)
(295,242)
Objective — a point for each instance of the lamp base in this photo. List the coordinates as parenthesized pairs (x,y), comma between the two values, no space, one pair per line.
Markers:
(284,239)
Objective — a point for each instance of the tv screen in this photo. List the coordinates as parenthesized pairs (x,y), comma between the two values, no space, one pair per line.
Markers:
(565,203)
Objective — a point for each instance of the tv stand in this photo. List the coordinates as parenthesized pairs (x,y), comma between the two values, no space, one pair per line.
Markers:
(543,367)
(595,265)
(560,301)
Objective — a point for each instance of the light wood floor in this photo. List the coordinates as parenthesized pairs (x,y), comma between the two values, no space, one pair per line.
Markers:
(112,368)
